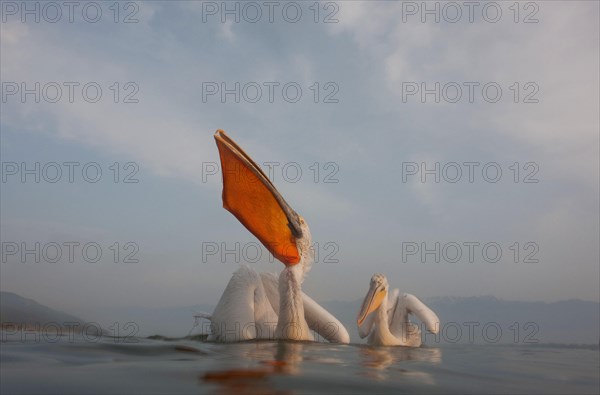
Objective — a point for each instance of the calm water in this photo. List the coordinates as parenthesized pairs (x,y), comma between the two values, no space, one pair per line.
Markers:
(189,366)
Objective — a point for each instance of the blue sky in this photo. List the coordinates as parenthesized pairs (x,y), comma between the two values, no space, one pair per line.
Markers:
(370,57)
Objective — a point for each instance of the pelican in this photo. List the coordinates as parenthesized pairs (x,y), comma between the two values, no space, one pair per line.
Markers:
(262,305)
(383,316)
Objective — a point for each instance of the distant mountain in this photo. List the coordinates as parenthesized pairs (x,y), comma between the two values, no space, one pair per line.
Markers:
(488,320)
(569,321)
(15,309)
(480,320)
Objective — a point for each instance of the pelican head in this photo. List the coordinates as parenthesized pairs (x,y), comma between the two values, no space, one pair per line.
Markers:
(378,291)
(305,249)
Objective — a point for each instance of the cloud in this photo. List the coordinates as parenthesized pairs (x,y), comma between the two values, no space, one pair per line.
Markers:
(369,54)
(559,55)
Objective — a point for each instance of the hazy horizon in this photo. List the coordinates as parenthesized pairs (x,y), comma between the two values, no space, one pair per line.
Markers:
(462,320)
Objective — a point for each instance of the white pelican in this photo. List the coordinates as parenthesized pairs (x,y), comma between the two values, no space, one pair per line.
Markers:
(383,316)
(262,306)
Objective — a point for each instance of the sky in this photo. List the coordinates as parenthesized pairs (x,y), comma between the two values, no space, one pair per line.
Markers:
(453,148)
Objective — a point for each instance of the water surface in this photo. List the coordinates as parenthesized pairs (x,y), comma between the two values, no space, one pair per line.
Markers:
(140,365)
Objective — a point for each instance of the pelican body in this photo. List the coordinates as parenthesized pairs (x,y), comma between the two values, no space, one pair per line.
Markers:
(263,305)
(384,316)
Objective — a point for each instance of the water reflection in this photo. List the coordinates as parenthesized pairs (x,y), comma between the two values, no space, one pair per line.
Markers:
(281,358)
(379,362)
(288,358)
(252,368)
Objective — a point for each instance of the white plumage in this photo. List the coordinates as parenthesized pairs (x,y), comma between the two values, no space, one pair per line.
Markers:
(261,306)
(384,316)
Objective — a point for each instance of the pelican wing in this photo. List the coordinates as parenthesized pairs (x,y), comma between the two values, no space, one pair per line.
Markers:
(407,304)
(253,199)
(323,322)
(244,311)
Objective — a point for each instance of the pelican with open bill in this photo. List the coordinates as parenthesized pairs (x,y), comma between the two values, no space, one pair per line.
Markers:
(262,305)
(253,199)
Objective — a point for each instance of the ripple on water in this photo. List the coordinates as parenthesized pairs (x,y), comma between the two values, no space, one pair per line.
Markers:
(190,366)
